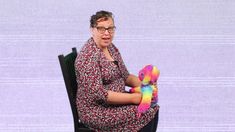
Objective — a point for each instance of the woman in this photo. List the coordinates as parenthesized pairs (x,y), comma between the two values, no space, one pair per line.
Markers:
(103,104)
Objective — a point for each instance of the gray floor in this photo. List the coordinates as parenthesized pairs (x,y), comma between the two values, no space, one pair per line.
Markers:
(191,42)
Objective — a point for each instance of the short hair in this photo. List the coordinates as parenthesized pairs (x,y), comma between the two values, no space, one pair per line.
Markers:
(100,16)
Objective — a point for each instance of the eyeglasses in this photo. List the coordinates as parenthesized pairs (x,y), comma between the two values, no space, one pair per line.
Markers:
(103,29)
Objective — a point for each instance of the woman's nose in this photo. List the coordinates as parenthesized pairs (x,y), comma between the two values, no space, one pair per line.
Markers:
(106,32)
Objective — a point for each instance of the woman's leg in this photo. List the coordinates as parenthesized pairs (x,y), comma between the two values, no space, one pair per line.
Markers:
(155,121)
(148,127)
(152,125)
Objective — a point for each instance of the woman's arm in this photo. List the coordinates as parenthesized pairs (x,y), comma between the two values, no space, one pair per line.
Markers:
(132,81)
(123,98)
(126,98)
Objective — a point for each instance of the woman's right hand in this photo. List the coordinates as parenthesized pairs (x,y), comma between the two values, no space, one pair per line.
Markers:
(136,98)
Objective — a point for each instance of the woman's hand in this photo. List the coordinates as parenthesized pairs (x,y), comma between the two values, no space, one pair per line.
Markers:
(132,81)
(136,98)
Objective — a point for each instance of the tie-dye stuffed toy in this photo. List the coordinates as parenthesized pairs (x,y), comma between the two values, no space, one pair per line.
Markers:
(148,77)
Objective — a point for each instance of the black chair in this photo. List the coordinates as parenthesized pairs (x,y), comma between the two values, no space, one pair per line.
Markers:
(68,70)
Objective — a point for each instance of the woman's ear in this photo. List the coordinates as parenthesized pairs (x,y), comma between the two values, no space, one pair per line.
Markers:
(91,30)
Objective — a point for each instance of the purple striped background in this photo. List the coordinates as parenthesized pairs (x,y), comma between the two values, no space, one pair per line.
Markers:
(191,41)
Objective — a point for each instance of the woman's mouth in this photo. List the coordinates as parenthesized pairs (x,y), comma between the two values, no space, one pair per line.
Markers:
(106,38)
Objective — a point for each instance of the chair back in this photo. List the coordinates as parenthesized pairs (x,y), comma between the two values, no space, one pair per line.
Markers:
(68,71)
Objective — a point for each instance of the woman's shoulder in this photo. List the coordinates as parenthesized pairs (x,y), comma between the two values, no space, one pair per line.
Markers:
(114,50)
(88,52)
(88,46)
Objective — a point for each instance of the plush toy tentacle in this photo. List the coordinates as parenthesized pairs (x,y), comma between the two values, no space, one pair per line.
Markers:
(155,90)
(146,99)
(135,90)
(155,94)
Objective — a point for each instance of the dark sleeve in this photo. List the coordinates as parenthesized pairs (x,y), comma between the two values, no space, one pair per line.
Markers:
(89,79)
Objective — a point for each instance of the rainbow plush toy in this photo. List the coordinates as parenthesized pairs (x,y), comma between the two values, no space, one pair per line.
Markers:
(148,77)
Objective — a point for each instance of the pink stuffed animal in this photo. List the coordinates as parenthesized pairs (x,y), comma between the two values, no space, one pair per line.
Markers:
(148,76)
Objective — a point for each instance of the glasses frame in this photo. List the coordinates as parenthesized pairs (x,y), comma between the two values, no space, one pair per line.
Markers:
(102,30)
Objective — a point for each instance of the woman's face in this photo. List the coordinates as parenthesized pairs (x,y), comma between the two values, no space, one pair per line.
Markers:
(103,33)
